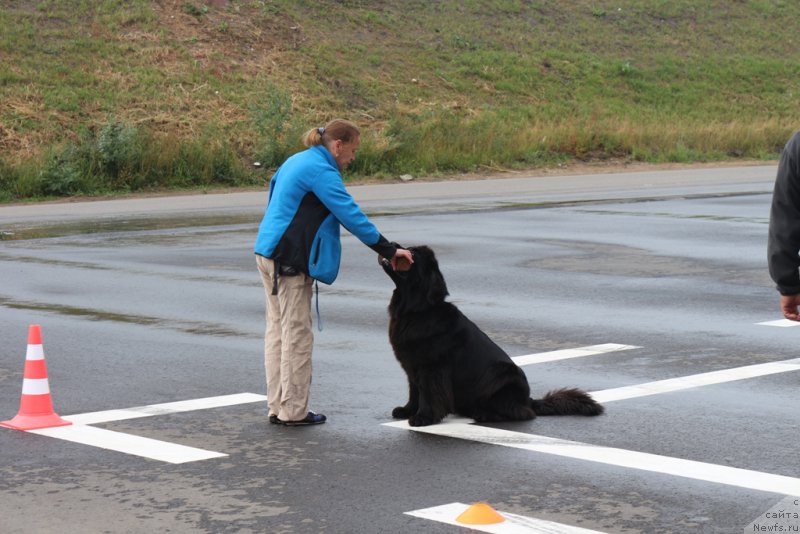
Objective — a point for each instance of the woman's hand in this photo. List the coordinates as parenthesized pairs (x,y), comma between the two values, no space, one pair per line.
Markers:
(402,260)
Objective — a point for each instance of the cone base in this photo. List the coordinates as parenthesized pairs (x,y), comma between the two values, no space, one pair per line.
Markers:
(34,422)
(480,514)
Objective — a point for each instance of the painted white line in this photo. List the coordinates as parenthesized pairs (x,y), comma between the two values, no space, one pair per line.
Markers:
(154,449)
(565,354)
(165,408)
(693,381)
(782,323)
(128,443)
(462,429)
(513,524)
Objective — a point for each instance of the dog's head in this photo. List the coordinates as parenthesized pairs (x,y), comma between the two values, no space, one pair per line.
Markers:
(419,285)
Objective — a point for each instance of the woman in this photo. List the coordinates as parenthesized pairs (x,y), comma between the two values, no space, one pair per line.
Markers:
(298,242)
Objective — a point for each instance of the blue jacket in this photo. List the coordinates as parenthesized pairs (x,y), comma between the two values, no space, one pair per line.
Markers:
(307,203)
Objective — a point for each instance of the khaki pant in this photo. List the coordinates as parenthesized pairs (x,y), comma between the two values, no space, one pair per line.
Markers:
(288,342)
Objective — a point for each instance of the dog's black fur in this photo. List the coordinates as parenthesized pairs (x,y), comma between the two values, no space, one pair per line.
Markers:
(453,366)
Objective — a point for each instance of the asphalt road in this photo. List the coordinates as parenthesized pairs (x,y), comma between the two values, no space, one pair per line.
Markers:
(157,300)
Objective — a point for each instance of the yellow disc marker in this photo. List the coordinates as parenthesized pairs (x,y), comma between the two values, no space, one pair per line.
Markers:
(480,514)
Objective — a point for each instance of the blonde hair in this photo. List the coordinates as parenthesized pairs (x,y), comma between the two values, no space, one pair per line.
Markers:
(337,129)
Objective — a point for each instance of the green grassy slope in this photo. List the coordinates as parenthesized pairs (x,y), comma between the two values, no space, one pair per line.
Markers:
(108,95)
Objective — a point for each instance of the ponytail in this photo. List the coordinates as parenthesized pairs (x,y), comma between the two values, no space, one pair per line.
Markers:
(313,137)
(337,129)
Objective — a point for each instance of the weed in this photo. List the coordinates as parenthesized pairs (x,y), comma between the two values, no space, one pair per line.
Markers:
(272,120)
(192,9)
(598,12)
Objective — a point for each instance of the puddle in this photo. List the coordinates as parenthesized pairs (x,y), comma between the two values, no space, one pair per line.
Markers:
(43,231)
(51,262)
(620,260)
(718,218)
(200,328)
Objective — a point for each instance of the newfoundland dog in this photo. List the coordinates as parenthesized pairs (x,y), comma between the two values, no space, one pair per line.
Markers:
(453,366)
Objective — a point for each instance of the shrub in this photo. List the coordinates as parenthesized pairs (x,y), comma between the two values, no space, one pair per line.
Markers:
(272,120)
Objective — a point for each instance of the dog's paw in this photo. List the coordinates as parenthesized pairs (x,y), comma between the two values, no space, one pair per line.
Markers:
(420,420)
(401,412)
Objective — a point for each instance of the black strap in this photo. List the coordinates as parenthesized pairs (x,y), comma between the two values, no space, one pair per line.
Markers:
(275,278)
(319,317)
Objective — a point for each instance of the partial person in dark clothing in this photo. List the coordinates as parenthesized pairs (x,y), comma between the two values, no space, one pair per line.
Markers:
(298,243)
(783,248)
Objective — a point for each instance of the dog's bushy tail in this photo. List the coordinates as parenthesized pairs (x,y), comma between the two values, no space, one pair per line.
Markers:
(566,401)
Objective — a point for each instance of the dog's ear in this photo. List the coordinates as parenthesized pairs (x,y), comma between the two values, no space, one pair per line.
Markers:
(433,284)
(437,289)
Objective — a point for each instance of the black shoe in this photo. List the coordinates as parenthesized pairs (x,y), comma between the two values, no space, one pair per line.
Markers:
(274,420)
(310,419)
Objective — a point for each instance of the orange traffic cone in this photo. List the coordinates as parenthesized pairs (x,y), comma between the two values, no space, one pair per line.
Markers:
(36,406)
(480,514)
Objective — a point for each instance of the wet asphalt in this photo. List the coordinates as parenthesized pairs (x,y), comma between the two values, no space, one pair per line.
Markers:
(151,301)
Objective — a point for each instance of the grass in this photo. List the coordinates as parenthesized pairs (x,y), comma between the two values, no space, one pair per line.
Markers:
(107,96)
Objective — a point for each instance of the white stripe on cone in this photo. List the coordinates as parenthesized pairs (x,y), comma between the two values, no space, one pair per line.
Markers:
(35,352)
(35,386)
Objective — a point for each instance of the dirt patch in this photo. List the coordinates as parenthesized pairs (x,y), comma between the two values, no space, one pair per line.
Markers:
(224,37)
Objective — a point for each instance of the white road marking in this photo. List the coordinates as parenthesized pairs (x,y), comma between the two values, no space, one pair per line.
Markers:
(128,443)
(693,381)
(80,432)
(565,354)
(462,429)
(165,408)
(782,323)
(513,524)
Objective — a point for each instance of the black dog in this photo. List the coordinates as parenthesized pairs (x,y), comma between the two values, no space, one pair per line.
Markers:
(453,366)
